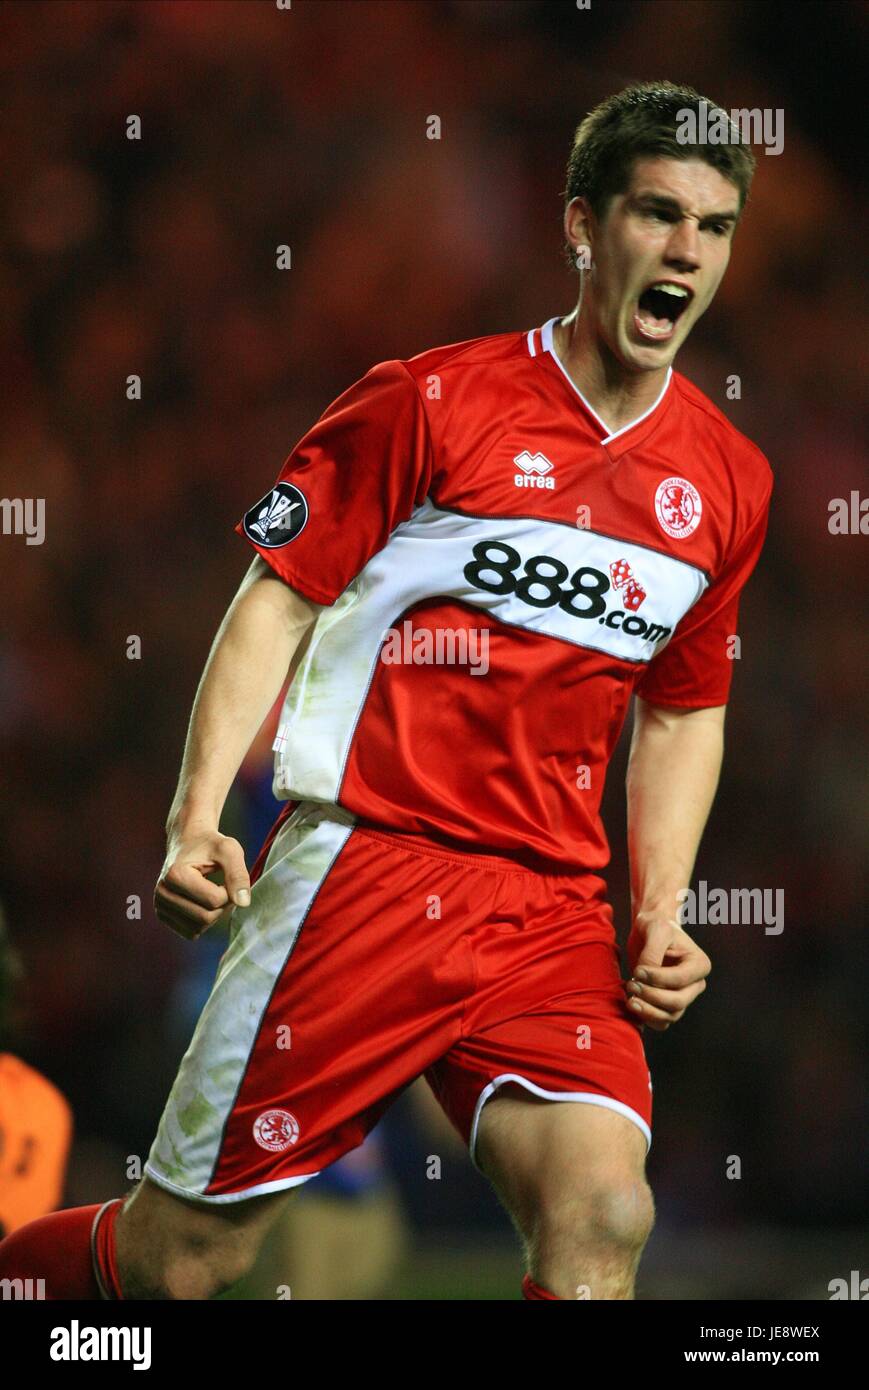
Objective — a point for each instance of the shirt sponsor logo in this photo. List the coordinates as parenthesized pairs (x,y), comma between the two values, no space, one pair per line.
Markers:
(276,1130)
(678,507)
(277,518)
(540,581)
(536,471)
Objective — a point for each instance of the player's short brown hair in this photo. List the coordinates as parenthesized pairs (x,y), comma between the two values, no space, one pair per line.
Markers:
(641,121)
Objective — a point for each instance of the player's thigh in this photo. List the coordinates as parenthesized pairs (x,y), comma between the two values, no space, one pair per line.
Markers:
(555,1160)
(158,1222)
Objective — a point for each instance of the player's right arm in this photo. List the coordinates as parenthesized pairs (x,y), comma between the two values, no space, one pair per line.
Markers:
(261,632)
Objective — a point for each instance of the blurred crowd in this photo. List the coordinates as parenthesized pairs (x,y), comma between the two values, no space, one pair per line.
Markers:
(157,257)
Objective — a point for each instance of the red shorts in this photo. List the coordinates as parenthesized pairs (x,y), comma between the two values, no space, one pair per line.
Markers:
(369,958)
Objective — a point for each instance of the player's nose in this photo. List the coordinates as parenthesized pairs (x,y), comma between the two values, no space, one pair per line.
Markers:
(683,246)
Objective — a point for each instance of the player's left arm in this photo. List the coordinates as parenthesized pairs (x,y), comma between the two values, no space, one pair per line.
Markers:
(675,762)
(673,770)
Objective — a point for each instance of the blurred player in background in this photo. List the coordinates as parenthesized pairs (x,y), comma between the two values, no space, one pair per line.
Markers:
(469,565)
(35,1118)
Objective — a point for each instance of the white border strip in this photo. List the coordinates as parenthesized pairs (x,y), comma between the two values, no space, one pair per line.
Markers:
(584,1097)
(98,1274)
(216,1198)
(547,341)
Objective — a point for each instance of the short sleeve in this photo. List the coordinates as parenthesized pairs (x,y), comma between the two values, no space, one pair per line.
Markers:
(356,475)
(695,669)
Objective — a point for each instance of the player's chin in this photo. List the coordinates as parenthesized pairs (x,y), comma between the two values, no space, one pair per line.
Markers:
(641,359)
(646,354)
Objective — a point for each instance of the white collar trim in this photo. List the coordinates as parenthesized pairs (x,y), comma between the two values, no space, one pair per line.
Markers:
(548,345)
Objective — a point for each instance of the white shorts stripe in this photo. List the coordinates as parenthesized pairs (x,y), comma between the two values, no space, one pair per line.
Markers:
(262,936)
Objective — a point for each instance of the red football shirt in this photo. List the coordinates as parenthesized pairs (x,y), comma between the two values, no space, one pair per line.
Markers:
(498,574)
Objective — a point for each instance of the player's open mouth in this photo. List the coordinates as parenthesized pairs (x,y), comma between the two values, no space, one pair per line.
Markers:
(660,307)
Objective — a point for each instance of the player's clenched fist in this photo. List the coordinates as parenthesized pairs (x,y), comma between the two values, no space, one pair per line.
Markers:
(184,898)
(668,970)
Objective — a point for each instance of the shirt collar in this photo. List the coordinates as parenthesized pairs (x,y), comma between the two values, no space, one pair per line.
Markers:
(540,343)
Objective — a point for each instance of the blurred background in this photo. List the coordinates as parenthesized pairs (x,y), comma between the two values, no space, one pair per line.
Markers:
(306,127)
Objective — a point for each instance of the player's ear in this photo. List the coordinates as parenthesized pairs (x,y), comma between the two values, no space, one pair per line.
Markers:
(578,219)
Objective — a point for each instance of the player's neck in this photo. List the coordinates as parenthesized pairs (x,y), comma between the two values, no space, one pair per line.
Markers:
(617,396)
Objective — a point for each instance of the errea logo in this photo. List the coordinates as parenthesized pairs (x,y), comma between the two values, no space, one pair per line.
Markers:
(536,471)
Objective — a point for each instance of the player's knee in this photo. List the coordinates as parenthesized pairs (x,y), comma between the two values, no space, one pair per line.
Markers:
(187,1266)
(166,1250)
(195,1269)
(613,1211)
(625,1213)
